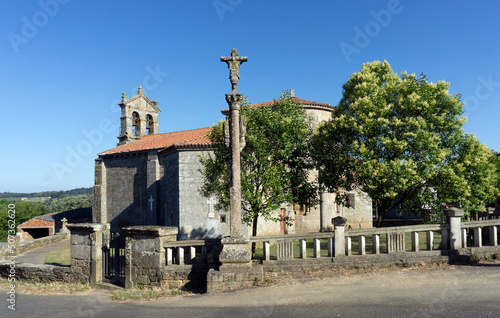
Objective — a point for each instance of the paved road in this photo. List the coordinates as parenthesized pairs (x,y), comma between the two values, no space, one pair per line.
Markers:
(459,291)
(37,255)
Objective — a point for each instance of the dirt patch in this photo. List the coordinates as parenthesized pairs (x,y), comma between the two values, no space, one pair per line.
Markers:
(284,278)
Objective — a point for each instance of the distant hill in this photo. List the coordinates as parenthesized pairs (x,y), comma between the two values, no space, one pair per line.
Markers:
(52,194)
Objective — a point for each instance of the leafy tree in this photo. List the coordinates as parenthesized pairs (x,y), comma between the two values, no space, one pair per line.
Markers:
(274,162)
(23,212)
(399,138)
(70,203)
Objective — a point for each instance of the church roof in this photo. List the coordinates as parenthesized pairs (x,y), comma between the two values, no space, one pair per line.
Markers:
(194,138)
(298,100)
(178,139)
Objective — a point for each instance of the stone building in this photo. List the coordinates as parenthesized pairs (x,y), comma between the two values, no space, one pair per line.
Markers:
(154,179)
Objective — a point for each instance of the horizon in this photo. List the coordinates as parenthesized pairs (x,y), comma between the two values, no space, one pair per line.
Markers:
(66,64)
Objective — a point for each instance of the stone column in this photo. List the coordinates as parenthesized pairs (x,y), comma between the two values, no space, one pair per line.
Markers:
(235,248)
(339,236)
(145,254)
(99,204)
(86,249)
(455,220)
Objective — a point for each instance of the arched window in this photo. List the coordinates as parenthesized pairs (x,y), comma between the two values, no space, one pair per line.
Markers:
(136,124)
(150,125)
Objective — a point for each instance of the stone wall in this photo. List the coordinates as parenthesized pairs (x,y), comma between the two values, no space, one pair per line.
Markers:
(126,191)
(197,217)
(169,189)
(42,273)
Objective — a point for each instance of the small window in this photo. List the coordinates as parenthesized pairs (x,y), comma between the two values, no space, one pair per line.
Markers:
(222,218)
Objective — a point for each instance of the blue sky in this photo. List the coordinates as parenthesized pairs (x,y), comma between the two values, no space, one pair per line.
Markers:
(65,63)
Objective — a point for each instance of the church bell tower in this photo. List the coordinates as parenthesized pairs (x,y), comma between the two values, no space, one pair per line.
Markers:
(139,117)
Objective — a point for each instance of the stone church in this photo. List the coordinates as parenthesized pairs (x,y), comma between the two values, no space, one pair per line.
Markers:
(154,178)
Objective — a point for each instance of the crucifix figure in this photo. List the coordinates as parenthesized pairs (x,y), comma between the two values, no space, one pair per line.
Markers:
(151,203)
(233,62)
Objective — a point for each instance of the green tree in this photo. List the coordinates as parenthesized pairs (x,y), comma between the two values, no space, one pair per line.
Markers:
(24,211)
(399,138)
(274,162)
(70,203)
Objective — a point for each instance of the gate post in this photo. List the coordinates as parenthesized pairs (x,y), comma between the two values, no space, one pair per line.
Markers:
(455,220)
(145,254)
(86,251)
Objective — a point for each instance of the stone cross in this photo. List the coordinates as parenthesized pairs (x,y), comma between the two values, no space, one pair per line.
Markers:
(233,62)
(234,101)
(211,203)
(235,247)
(151,200)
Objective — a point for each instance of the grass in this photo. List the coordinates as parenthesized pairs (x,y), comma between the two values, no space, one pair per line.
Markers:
(137,294)
(46,288)
(61,256)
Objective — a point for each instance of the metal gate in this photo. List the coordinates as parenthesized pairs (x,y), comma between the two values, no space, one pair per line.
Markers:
(113,258)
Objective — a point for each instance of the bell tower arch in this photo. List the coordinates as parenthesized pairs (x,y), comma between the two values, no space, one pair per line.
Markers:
(139,117)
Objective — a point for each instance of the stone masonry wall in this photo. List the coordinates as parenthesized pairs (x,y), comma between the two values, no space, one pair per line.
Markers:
(43,273)
(169,189)
(196,217)
(126,189)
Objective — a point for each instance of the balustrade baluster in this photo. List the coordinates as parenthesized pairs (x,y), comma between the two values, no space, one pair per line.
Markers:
(376,243)
(302,246)
(316,247)
(361,245)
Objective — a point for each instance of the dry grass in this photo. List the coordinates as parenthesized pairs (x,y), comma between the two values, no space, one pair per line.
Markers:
(61,256)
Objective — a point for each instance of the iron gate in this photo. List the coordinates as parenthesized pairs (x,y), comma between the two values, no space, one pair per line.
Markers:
(113,258)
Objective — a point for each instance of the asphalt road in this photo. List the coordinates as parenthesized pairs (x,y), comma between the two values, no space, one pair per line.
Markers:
(458,291)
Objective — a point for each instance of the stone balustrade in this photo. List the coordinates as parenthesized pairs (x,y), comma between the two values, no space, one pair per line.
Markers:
(176,251)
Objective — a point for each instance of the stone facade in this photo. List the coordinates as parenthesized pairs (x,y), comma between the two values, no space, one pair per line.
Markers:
(155,180)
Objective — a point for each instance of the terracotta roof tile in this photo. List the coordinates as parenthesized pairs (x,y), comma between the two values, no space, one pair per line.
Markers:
(302,101)
(186,138)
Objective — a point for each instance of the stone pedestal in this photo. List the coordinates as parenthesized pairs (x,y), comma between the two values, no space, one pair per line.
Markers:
(86,249)
(455,220)
(339,242)
(145,254)
(235,253)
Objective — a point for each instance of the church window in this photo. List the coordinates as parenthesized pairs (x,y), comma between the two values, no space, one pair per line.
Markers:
(149,125)
(136,124)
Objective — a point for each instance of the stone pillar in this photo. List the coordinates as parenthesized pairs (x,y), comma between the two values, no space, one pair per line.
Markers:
(339,250)
(455,220)
(145,254)
(99,214)
(235,248)
(86,249)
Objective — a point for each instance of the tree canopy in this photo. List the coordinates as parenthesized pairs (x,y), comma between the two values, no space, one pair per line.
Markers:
(399,138)
(274,161)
